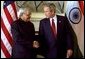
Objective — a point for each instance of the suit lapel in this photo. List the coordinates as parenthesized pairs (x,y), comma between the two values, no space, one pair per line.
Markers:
(58,25)
(47,25)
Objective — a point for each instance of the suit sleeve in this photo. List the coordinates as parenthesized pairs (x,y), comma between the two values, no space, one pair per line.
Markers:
(33,32)
(43,45)
(69,34)
(41,34)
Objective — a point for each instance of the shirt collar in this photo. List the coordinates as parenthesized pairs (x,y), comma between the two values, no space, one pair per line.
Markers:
(55,18)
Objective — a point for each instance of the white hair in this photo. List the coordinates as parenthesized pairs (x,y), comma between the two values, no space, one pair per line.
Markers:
(21,11)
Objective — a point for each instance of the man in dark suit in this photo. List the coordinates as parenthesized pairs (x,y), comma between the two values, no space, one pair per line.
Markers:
(55,34)
(23,33)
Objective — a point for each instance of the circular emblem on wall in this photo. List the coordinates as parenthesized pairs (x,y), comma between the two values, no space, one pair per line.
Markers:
(75,15)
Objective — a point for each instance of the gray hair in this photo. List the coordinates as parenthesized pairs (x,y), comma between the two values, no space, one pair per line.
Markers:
(22,11)
(51,6)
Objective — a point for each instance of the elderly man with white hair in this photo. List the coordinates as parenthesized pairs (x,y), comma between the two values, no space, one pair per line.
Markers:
(23,34)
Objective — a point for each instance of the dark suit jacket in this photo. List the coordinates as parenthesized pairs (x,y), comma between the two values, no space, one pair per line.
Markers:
(55,47)
(23,35)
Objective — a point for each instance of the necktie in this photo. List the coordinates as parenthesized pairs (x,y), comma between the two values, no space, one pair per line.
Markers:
(53,27)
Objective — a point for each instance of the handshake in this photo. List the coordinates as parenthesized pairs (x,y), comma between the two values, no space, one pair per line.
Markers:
(35,44)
